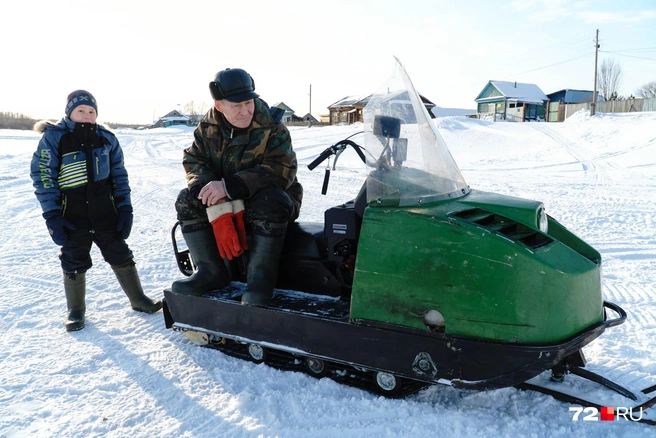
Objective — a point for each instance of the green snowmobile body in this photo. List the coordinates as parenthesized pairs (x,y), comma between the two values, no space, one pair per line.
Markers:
(483,264)
(487,266)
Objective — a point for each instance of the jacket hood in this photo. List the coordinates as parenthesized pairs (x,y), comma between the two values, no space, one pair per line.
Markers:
(64,124)
(42,125)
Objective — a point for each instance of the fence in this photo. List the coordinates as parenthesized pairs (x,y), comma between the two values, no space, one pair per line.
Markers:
(610,106)
(308,124)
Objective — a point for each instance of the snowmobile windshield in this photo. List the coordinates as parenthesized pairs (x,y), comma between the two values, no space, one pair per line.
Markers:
(411,163)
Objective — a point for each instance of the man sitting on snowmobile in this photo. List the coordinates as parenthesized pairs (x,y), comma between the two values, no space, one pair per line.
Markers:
(241,176)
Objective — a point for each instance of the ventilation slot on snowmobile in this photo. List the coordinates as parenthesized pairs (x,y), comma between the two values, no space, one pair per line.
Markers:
(504,226)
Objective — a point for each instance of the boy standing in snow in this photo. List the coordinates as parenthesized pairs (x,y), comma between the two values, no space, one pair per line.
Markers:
(82,185)
(241,177)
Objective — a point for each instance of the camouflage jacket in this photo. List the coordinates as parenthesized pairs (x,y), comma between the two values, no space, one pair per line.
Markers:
(259,156)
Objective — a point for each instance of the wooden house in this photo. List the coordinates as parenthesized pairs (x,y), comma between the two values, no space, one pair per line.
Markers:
(511,101)
(288,116)
(349,109)
(173,118)
(309,118)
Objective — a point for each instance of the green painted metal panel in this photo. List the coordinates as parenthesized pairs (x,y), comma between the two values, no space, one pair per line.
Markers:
(553,111)
(485,283)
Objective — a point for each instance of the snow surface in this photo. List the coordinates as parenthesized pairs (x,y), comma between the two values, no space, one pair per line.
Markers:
(126,375)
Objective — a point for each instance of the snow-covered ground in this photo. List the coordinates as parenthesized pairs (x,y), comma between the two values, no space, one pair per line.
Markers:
(126,375)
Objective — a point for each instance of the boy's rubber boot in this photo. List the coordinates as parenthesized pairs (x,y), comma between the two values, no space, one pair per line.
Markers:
(211,271)
(128,278)
(75,290)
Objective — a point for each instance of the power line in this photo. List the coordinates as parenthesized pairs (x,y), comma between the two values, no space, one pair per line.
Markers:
(628,56)
(645,49)
(551,65)
(544,51)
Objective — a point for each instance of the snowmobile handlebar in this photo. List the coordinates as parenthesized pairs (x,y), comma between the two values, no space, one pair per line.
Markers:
(337,149)
(325,154)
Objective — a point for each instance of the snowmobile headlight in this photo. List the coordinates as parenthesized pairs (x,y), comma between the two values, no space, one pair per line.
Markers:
(543,221)
(433,318)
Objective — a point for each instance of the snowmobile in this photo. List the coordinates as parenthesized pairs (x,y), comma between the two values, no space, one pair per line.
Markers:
(418,280)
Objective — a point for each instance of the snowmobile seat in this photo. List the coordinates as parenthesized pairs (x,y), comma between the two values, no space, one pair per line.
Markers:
(304,240)
(302,262)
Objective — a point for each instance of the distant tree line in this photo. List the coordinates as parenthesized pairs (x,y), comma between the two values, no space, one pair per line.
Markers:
(16,121)
(23,122)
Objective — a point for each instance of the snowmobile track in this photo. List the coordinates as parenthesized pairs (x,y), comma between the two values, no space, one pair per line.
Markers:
(344,374)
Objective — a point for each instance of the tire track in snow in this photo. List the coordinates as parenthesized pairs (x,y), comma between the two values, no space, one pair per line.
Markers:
(621,293)
(594,170)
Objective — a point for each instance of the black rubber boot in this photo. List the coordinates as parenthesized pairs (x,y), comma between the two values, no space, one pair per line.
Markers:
(211,271)
(75,289)
(263,258)
(128,278)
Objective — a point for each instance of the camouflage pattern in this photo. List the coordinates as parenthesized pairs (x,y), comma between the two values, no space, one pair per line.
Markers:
(260,155)
(191,212)
(265,209)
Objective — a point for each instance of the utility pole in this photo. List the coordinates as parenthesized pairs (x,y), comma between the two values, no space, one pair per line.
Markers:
(594,91)
(310,112)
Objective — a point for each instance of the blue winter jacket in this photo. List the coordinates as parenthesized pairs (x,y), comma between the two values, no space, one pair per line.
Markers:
(60,173)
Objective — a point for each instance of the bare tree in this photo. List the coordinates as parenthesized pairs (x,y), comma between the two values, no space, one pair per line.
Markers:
(609,79)
(647,90)
(194,109)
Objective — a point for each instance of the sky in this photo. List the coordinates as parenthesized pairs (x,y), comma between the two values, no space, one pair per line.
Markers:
(126,375)
(143,59)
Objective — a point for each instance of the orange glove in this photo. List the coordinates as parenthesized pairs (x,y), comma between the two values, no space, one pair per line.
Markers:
(238,210)
(220,216)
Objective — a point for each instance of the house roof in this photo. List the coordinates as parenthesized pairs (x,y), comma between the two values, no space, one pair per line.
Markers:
(173,113)
(518,91)
(175,119)
(351,101)
(572,96)
(283,106)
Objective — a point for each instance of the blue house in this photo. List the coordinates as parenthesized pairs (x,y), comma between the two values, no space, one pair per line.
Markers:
(572,96)
(567,96)
(171,119)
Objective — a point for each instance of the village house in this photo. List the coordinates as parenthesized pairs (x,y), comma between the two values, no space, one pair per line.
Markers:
(349,109)
(560,98)
(173,118)
(512,101)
